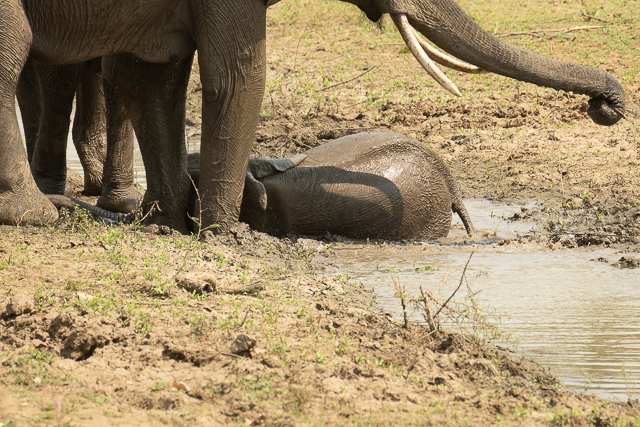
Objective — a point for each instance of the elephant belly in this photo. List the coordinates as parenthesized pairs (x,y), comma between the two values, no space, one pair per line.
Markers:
(74,31)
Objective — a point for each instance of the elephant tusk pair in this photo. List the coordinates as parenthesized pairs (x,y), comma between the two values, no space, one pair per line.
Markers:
(446,60)
(417,47)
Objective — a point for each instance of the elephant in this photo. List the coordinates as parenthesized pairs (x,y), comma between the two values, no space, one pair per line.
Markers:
(152,45)
(369,185)
(45,94)
(375,185)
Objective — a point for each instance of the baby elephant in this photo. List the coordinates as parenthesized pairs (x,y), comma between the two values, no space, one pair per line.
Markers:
(368,185)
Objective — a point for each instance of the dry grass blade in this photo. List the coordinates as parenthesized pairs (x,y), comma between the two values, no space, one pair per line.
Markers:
(559,30)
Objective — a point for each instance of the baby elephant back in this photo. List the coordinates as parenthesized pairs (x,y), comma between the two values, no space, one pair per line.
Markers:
(372,185)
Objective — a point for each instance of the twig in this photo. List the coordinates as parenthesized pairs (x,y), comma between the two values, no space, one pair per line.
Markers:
(442,282)
(347,81)
(401,293)
(590,17)
(432,324)
(560,30)
(454,292)
(586,15)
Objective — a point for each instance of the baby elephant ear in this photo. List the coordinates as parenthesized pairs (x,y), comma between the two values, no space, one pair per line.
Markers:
(265,167)
(253,210)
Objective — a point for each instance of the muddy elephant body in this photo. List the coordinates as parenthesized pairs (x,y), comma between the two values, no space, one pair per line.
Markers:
(368,185)
(152,45)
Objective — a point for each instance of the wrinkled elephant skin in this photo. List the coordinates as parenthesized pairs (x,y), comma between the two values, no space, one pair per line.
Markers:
(368,185)
(45,94)
(153,43)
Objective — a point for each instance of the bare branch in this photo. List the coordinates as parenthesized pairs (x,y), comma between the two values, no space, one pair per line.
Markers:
(458,288)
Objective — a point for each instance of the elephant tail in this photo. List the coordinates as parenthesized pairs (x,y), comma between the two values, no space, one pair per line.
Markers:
(459,208)
(456,203)
(104,214)
(456,197)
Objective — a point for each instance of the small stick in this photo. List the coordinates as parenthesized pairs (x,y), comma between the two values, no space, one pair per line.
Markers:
(400,292)
(446,276)
(350,80)
(586,15)
(454,292)
(432,324)
(560,30)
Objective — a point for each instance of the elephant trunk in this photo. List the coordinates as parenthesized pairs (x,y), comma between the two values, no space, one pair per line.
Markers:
(450,28)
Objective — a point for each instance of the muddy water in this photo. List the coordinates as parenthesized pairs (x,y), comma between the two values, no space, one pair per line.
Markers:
(580,318)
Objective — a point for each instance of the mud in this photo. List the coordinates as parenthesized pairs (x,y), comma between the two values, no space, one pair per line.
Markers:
(114,343)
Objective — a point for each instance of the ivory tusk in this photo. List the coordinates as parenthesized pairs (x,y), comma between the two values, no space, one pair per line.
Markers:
(444,59)
(409,38)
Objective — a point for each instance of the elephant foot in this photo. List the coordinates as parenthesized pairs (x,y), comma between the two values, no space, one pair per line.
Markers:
(173,215)
(24,208)
(92,185)
(123,201)
(153,216)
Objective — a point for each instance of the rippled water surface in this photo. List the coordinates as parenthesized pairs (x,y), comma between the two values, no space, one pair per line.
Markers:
(580,318)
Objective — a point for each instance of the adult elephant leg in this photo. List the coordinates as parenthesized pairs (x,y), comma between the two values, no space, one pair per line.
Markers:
(20,200)
(49,163)
(90,126)
(232,61)
(118,191)
(30,102)
(154,96)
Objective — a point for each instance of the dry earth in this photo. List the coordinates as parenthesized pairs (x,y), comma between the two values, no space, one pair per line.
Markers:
(129,326)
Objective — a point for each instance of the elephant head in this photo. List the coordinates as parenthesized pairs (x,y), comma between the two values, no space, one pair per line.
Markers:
(445,24)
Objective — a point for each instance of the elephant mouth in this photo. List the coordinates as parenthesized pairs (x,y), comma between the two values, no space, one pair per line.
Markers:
(427,55)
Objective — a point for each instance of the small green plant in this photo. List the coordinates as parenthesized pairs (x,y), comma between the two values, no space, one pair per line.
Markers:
(279,347)
(393,270)
(425,269)
(320,357)
(143,324)
(198,325)
(344,346)
(198,297)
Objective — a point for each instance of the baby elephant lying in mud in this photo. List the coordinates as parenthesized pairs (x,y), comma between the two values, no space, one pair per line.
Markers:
(368,185)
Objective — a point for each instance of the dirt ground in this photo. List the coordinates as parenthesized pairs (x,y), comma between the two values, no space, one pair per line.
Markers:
(137,326)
